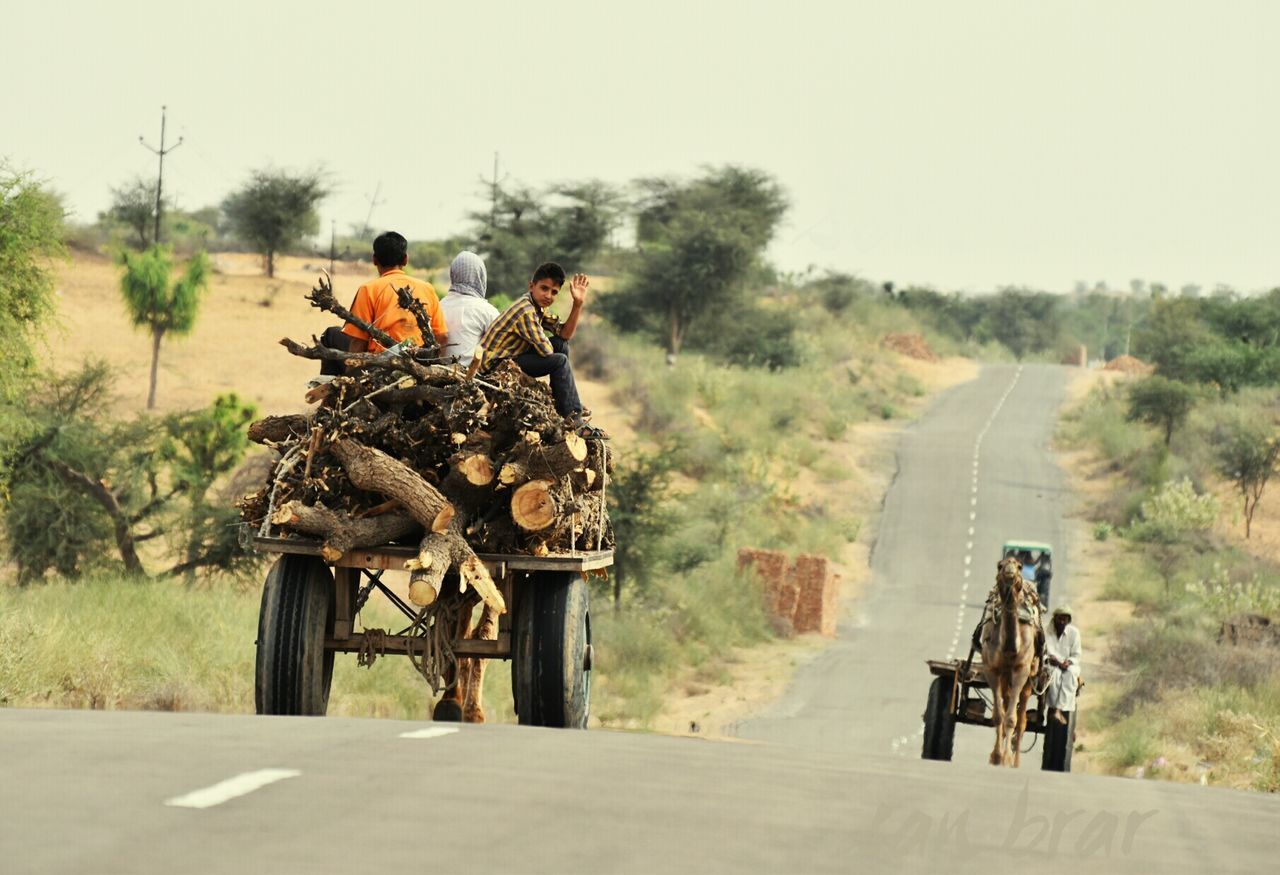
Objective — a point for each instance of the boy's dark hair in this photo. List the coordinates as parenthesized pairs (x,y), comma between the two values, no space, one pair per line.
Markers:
(390,249)
(549,270)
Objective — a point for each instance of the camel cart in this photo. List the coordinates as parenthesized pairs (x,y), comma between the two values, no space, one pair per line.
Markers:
(960,694)
(309,612)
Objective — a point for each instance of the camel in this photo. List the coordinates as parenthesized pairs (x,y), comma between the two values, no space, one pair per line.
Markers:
(1010,641)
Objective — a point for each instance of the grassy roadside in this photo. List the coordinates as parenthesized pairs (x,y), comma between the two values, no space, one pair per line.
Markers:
(1170,695)
(772,459)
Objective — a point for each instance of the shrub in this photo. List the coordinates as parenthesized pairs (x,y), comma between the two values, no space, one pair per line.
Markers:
(1173,513)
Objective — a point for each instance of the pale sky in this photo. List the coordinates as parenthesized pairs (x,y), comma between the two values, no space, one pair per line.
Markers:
(965,145)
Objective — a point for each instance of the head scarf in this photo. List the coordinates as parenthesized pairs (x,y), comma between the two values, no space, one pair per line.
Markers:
(467,275)
(1062,609)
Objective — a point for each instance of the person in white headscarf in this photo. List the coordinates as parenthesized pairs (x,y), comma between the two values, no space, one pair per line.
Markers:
(466,311)
(1062,659)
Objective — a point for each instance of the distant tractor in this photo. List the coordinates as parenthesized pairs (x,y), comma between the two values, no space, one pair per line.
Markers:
(1037,564)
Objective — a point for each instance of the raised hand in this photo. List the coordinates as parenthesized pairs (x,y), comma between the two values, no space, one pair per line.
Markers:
(578,288)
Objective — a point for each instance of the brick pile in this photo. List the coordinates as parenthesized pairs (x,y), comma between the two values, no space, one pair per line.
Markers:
(801,596)
(911,345)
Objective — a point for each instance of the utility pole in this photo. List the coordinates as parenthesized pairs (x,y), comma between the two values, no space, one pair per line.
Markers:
(333,243)
(162,151)
(373,202)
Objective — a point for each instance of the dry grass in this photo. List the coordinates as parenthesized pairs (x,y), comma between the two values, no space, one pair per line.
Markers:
(234,348)
(1164,700)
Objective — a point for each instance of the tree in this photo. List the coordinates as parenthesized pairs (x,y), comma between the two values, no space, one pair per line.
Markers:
(87,482)
(1162,402)
(154,303)
(80,481)
(1024,320)
(275,210)
(568,223)
(638,511)
(1247,454)
(31,232)
(200,446)
(134,205)
(1172,520)
(698,243)
(1170,337)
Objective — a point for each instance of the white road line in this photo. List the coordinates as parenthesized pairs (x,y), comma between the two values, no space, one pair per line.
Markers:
(224,791)
(972,516)
(432,732)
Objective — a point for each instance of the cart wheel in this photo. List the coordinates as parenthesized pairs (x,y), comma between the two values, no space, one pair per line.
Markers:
(939,722)
(294,671)
(551,663)
(1059,740)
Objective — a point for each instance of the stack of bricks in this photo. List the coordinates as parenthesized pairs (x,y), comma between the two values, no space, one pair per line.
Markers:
(800,597)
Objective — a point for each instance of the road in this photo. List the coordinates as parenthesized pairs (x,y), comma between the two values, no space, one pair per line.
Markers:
(974,472)
(829,781)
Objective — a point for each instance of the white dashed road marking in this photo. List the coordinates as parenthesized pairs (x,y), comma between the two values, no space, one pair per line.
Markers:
(232,788)
(431,732)
(899,745)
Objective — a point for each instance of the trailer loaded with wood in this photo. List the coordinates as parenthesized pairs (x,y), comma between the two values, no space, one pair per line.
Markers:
(476,487)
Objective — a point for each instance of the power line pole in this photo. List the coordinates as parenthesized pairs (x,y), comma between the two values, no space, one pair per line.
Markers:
(162,151)
(333,243)
(373,202)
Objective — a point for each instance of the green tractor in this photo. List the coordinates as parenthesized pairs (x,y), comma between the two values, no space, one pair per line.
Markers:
(1037,563)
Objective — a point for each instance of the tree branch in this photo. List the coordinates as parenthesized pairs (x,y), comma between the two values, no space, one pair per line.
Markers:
(322,296)
(408,301)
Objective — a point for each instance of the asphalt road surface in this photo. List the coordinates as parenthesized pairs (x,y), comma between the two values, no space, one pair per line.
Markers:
(830,780)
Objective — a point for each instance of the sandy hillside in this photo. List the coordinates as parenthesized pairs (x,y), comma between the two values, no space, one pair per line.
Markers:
(234,346)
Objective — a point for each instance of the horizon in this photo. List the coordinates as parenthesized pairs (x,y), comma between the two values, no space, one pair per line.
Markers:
(934,144)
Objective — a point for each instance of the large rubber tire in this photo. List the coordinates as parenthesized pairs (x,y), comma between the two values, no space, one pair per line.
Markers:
(1059,741)
(939,723)
(551,671)
(294,671)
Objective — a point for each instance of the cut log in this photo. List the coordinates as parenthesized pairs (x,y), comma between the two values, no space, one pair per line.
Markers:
(586,480)
(578,526)
(340,532)
(440,551)
(375,471)
(533,459)
(533,505)
(279,429)
(435,555)
(470,481)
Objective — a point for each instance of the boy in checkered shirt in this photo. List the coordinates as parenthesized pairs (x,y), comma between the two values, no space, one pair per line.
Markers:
(521,332)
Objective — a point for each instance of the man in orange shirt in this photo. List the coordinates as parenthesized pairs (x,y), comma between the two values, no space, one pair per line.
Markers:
(377,303)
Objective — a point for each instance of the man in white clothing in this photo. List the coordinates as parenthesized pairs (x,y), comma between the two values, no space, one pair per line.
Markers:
(1062,656)
(466,311)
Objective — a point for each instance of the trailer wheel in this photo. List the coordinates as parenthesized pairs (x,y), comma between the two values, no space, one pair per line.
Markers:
(551,662)
(294,671)
(1059,740)
(939,722)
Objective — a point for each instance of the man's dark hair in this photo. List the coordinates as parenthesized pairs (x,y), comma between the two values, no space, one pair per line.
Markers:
(549,270)
(390,249)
